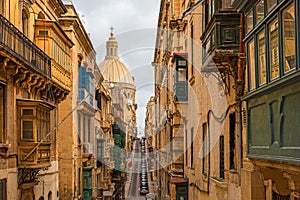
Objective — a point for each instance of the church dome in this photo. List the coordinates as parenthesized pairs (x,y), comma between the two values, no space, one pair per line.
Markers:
(112,69)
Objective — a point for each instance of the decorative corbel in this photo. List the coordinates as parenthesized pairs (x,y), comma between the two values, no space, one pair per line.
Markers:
(40,86)
(21,76)
(32,82)
(25,83)
(4,64)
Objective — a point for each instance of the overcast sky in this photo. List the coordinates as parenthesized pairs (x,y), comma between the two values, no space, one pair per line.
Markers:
(134,23)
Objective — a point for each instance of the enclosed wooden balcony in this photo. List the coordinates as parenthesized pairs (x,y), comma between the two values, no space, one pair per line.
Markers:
(220,40)
(16,46)
(34,141)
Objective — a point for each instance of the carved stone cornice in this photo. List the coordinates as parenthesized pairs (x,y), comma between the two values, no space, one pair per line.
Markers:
(58,6)
(178,24)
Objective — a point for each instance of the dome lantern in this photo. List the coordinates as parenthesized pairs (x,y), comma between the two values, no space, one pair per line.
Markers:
(111,46)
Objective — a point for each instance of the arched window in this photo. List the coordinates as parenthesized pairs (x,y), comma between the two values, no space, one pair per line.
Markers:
(50,195)
(41,198)
(25,20)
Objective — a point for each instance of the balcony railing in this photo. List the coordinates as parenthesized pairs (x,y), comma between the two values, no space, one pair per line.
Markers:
(17,44)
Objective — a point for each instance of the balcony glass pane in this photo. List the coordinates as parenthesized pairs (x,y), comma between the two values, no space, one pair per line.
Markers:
(259,11)
(27,130)
(289,49)
(249,21)
(271,4)
(251,64)
(28,112)
(262,57)
(2,107)
(274,54)
(182,74)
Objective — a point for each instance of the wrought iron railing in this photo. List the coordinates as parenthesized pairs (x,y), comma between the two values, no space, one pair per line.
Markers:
(16,43)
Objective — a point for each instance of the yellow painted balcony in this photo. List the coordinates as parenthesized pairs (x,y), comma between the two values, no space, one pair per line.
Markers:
(53,40)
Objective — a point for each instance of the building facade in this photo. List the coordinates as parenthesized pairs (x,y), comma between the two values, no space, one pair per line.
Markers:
(56,121)
(199,46)
(271,157)
(242,85)
(34,83)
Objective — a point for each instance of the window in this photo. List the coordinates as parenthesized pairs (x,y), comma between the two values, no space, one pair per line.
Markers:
(34,120)
(208,11)
(274,54)
(89,130)
(192,50)
(268,61)
(186,148)
(99,152)
(251,64)
(205,149)
(84,138)
(249,21)
(50,195)
(3,189)
(181,73)
(43,123)
(98,99)
(25,20)
(262,57)
(82,77)
(79,128)
(27,121)
(289,47)
(232,154)
(2,114)
(79,181)
(259,8)
(221,156)
(27,127)
(192,148)
(271,4)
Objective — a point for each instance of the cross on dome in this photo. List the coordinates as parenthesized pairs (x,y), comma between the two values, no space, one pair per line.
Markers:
(111,31)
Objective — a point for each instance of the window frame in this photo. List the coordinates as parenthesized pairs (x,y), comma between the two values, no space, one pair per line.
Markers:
(275,13)
(296,29)
(33,119)
(192,149)
(205,146)
(250,74)
(36,106)
(269,49)
(257,57)
(2,113)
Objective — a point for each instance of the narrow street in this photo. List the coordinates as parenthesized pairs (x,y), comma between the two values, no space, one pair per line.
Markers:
(133,184)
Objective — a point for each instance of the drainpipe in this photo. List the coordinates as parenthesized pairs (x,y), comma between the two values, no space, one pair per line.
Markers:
(239,93)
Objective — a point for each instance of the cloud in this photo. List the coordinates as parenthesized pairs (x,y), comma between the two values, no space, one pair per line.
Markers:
(135,23)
